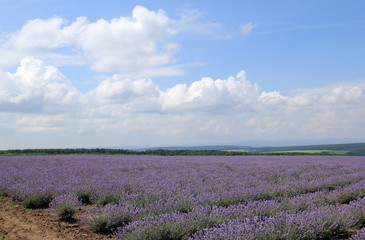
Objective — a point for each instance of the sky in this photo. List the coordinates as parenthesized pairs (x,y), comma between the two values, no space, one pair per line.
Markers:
(181,73)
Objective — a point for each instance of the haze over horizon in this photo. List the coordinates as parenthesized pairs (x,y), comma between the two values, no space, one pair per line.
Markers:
(164,73)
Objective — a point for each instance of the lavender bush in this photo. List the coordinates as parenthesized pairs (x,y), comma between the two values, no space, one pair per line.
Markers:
(65,206)
(180,197)
(108,218)
(37,200)
(322,223)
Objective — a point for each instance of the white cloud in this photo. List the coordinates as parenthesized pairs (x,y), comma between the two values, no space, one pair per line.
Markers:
(124,44)
(206,95)
(120,90)
(38,99)
(36,87)
(193,21)
(38,35)
(39,123)
(273,97)
(342,94)
(321,122)
(246,28)
(128,44)
(211,95)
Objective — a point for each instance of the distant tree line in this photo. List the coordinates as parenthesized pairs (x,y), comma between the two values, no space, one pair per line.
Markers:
(106,151)
(157,152)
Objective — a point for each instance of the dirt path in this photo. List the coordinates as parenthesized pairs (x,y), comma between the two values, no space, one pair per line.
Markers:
(16,222)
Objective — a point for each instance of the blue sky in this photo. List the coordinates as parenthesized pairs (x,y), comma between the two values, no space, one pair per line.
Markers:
(159,73)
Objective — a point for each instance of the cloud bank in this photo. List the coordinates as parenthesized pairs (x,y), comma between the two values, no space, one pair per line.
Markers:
(38,98)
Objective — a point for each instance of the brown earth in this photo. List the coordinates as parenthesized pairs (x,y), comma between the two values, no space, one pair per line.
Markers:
(17,222)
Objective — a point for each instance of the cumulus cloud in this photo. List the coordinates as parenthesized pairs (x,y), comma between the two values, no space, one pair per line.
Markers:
(36,87)
(123,90)
(38,98)
(246,28)
(128,44)
(342,94)
(38,35)
(123,94)
(273,97)
(122,44)
(211,95)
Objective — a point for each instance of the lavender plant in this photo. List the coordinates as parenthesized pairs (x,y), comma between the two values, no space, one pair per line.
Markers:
(37,200)
(65,206)
(164,226)
(108,218)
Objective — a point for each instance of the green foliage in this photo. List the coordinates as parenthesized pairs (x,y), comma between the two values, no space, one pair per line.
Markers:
(105,199)
(105,224)
(12,206)
(3,193)
(66,211)
(100,225)
(84,197)
(166,232)
(37,201)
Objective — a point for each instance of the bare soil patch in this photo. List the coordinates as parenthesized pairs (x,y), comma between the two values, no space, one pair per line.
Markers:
(17,222)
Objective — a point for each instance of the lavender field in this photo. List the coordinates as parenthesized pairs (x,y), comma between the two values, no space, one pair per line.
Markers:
(205,197)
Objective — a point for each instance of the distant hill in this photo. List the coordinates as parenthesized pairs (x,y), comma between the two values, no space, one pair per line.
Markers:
(340,149)
(333,149)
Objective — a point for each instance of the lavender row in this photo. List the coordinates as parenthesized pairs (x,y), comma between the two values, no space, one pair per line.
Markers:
(140,181)
(320,223)
(207,216)
(248,209)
